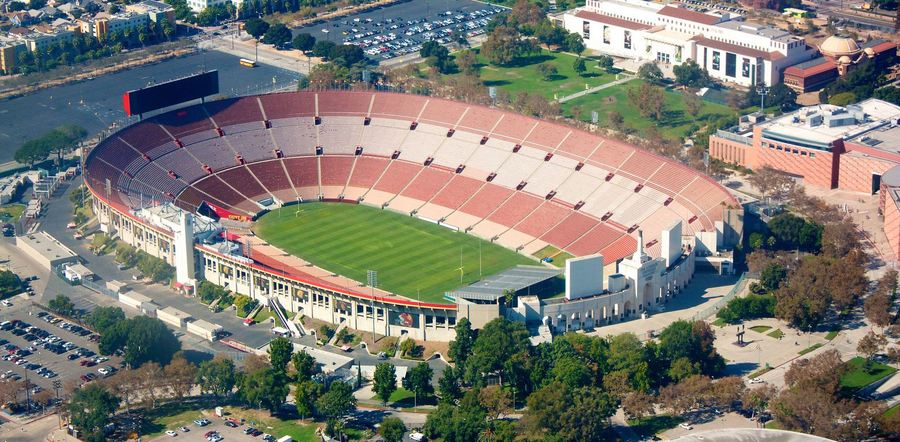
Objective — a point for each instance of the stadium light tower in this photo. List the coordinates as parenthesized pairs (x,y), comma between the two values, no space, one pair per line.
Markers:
(372,280)
(762,90)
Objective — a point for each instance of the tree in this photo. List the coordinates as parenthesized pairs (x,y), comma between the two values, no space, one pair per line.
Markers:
(323,48)
(878,309)
(305,365)
(690,74)
(438,56)
(461,347)
(650,72)
(574,43)
(306,394)
(392,429)
(303,42)
(871,344)
(62,304)
(580,66)
(267,388)
(502,45)
(384,381)
(256,27)
(495,400)
(694,341)
(804,299)
(649,99)
(102,318)
(448,386)
(843,99)
(180,375)
(457,423)
(337,402)
(418,380)
(467,62)
(547,70)
(90,409)
(569,415)
(692,103)
(496,343)
(772,183)
(615,119)
(280,350)
(277,35)
(772,276)
(605,62)
(782,96)
(638,404)
(149,340)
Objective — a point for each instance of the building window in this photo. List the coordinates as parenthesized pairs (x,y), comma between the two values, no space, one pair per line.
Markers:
(662,57)
(745,68)
(627,39)
(715,62)
(586,30)
(730,65)
(606,35)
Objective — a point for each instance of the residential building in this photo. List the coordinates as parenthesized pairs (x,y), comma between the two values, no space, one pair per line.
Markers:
(199,5)
(728,47)
(102,24)
(156,11)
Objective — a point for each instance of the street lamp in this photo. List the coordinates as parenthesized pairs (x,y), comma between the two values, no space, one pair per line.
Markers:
(762,90)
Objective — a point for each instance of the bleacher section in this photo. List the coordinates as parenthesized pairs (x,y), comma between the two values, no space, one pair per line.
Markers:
(519,181)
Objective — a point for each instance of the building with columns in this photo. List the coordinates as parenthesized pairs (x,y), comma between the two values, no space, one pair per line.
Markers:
(728,47)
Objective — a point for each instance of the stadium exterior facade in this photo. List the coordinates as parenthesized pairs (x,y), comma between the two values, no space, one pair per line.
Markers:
(523,183)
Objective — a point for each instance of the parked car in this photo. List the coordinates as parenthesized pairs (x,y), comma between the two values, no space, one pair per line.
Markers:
(171,433)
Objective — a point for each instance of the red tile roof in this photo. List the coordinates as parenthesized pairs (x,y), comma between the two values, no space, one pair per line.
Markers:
(810,71)
(687,14)
(882,47)
(749,52)
(612,21)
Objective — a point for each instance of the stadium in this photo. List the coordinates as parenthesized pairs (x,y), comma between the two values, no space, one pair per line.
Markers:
(401,213)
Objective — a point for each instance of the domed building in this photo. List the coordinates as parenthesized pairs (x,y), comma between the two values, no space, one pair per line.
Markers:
(839,54)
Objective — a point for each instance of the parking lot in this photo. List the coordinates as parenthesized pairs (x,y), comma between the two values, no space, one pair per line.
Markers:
(401,29)
(216,429)
(43,348)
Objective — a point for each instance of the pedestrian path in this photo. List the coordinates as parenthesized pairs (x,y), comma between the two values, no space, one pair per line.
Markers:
(623,78)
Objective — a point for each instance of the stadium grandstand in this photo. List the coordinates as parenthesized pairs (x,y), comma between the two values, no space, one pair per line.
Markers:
(535,187)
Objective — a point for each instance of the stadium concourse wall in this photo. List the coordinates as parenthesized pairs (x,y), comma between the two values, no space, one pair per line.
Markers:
(394,316)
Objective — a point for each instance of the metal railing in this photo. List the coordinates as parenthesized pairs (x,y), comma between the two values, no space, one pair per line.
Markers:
(711,310)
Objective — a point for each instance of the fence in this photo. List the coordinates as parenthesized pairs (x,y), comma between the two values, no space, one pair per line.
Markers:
(711,310)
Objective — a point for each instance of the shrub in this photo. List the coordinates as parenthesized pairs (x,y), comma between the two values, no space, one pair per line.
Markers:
(326,332)
(749,307)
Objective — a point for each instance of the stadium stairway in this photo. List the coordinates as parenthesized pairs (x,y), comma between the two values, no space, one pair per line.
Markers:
(279,310)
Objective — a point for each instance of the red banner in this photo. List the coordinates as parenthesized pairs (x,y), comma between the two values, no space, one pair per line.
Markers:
(224,213)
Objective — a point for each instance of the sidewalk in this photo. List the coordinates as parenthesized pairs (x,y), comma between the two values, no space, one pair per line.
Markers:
(623,78)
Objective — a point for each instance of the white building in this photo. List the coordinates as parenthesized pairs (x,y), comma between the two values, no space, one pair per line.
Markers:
(199,5)
(731,49)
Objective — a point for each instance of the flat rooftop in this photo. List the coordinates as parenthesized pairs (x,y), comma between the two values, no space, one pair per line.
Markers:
(871,119)
(516,278)
(46,245)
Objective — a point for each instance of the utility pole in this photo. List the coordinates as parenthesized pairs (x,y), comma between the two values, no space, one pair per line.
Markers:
(56,386)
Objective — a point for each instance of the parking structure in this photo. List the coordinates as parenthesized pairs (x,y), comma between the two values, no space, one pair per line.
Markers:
(45,348)
(401,29)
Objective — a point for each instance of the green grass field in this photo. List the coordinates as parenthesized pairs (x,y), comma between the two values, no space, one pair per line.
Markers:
(411,256)
(675,122)
(522,75)
(858,376)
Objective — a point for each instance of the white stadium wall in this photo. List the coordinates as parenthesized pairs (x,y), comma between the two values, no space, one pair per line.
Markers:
(584,276)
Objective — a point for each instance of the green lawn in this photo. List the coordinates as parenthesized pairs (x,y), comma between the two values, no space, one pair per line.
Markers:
(168,417)
(857,376)
(559,257)
(760,328)
(522,75)
(777,333)
(809,349)
(653,425)
(760,372)
(892,412)
(411,256)
(264,314)
(833,333)
(675,123)
(10,213)
(719,322)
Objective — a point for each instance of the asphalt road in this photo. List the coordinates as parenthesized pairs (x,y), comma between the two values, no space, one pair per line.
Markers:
(96,104)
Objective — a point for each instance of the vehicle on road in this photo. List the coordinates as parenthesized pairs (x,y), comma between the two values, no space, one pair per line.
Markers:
(686,426)
(171,433)
(756,381)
